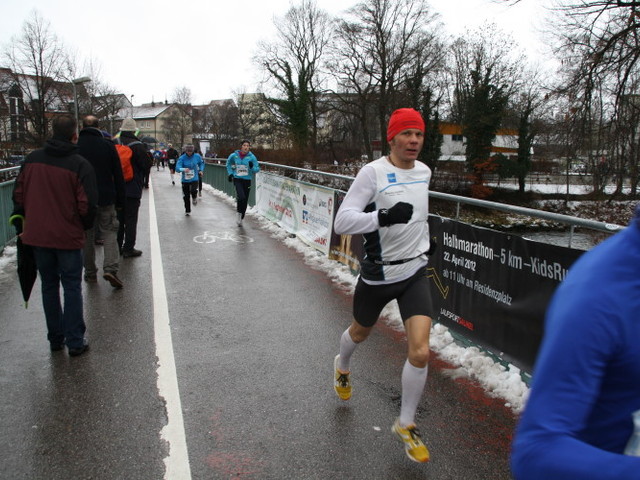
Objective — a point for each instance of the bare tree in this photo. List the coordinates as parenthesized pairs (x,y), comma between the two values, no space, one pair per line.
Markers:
(178,126)
(598,44)
(395,32)
(356,90)
(381,48)
(626,144)
(486,74)
(38,60)
(220,120)
(293,66)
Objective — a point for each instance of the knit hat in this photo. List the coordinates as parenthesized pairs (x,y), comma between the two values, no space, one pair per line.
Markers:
(403,119)
(128,125)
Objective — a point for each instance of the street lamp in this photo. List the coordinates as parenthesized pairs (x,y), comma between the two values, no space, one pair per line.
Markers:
(132,105)
(74,82)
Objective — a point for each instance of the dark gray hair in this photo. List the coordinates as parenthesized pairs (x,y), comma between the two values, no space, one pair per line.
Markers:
(64,126)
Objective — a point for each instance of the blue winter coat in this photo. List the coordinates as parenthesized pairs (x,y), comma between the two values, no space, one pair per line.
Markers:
(586,382)
(193,163)
(239,167)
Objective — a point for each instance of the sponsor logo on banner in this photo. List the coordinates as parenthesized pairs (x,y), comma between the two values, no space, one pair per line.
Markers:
(302,209)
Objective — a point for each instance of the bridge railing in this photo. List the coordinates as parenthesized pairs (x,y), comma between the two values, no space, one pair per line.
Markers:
(216,175)
(7,180)
(342,182)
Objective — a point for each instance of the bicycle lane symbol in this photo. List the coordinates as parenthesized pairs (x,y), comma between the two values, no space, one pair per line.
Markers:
(213,237)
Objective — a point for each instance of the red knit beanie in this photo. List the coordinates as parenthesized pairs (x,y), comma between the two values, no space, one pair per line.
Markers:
(403,119)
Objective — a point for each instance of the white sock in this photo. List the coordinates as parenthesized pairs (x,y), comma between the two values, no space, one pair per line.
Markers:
(347,347)
(413,381)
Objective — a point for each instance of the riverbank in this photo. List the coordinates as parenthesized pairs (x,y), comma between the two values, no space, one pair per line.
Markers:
(604,208)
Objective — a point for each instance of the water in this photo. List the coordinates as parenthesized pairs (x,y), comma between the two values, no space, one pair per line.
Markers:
(584,240)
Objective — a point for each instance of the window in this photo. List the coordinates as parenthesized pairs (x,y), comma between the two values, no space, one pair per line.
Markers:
(457,138)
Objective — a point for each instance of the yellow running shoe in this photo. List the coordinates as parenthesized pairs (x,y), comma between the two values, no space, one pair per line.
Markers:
(341,381)
(413,445)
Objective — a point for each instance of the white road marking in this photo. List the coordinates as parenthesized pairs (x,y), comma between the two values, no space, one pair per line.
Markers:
(177,461)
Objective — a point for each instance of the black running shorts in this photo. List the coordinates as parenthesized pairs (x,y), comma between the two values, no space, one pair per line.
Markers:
(413,296)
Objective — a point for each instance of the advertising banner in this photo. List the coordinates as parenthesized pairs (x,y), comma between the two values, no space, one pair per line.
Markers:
(494,287)
(491,287)
(302,209)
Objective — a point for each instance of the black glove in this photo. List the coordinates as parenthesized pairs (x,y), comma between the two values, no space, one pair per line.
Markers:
(250,164)
(230,178)
(400,213)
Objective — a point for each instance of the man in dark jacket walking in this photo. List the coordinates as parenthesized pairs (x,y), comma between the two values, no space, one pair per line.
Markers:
(57,194)
(133,189)
(104,158)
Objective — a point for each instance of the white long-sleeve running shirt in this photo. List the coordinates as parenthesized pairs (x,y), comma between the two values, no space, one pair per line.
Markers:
(378,185)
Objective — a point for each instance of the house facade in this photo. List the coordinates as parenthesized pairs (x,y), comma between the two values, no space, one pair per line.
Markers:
(454,143)
(152,120)
(22,96)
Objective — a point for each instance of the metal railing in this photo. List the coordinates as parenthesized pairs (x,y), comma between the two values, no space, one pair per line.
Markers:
(458,201)
(216,175)
(7,232)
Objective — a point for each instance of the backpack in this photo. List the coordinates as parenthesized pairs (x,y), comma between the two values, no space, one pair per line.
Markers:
(125,153)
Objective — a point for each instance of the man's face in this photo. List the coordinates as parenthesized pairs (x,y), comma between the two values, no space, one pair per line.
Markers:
(189,150)
(245,147)
(406,145)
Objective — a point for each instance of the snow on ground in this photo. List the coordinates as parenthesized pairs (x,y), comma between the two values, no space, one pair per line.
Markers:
(556,188)
(8,263)
(496,379)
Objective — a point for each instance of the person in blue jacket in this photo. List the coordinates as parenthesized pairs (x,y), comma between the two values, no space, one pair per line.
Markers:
(191,166)
(241,166)
(586,381)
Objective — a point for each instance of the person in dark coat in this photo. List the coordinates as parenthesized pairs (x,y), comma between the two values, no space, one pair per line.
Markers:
(133,189)
(57,194)
(104,158)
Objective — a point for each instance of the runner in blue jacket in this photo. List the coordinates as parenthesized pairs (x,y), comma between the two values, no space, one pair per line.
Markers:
(241,166)
(586,381)
(191,166)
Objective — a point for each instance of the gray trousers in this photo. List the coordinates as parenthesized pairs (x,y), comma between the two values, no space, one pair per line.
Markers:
(107,221)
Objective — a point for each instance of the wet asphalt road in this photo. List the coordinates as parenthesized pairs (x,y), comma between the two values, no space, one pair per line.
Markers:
(254,333)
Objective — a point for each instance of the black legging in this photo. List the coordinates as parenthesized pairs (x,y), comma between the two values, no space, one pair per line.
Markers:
(128,218)
(242,194)
(189,189)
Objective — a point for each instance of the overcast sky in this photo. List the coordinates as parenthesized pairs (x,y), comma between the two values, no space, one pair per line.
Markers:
(148,49)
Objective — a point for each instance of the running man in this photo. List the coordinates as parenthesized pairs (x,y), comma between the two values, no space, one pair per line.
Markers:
(388,204)
(172,158)
(190,165)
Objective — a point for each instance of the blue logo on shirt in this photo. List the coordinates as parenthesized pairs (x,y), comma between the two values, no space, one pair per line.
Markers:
(391,177)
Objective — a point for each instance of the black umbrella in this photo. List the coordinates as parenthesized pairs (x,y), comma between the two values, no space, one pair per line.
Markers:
(148,139)
(27,270)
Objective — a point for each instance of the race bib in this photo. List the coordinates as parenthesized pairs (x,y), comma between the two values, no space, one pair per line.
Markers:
(189,175)
(242,170)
